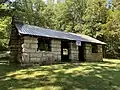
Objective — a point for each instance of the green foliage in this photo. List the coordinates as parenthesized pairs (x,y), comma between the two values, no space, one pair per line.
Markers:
(4,32)
(69,15)
(5,26)
(112,34)
(95,16)
(34,12)
(29,11)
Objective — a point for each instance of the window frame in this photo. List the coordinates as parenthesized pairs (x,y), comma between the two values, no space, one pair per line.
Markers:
(94,48)
(46,42)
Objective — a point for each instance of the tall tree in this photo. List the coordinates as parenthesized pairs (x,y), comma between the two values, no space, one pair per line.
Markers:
(95,16)
(112,34)
(5,26)
(69,15)
(29,11)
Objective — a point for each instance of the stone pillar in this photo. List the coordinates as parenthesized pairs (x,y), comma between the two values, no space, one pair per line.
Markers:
(73,52)
(29,47)
(56,49)
(20,42)
(88,52)
(100,50)
(13,44)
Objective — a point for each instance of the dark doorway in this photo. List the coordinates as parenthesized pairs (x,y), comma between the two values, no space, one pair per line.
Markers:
(65,51)
(81,53)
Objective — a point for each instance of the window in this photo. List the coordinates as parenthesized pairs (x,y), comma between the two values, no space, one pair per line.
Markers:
(94,48)
(44,44)
(65,51)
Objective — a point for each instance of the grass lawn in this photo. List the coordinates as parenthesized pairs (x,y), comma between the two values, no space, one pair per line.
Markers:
(85,76)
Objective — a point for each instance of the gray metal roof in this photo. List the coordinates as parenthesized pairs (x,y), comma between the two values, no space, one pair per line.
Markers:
(38,31)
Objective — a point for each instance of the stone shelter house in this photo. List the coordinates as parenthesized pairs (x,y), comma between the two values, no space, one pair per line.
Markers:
(35,45)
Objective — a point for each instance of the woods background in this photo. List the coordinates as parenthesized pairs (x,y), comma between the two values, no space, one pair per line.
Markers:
(97,18)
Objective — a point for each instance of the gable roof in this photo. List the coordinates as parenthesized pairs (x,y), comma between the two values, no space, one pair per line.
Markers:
(38,31)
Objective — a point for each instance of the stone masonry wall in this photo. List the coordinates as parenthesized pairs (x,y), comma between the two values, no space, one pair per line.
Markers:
(30,54)
(74,52)
(89,56)
(15,46)
(19,53)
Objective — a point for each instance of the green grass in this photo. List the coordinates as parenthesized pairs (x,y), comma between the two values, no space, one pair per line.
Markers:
(85,76)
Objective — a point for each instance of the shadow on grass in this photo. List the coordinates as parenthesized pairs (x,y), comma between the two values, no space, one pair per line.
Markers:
(89,76)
